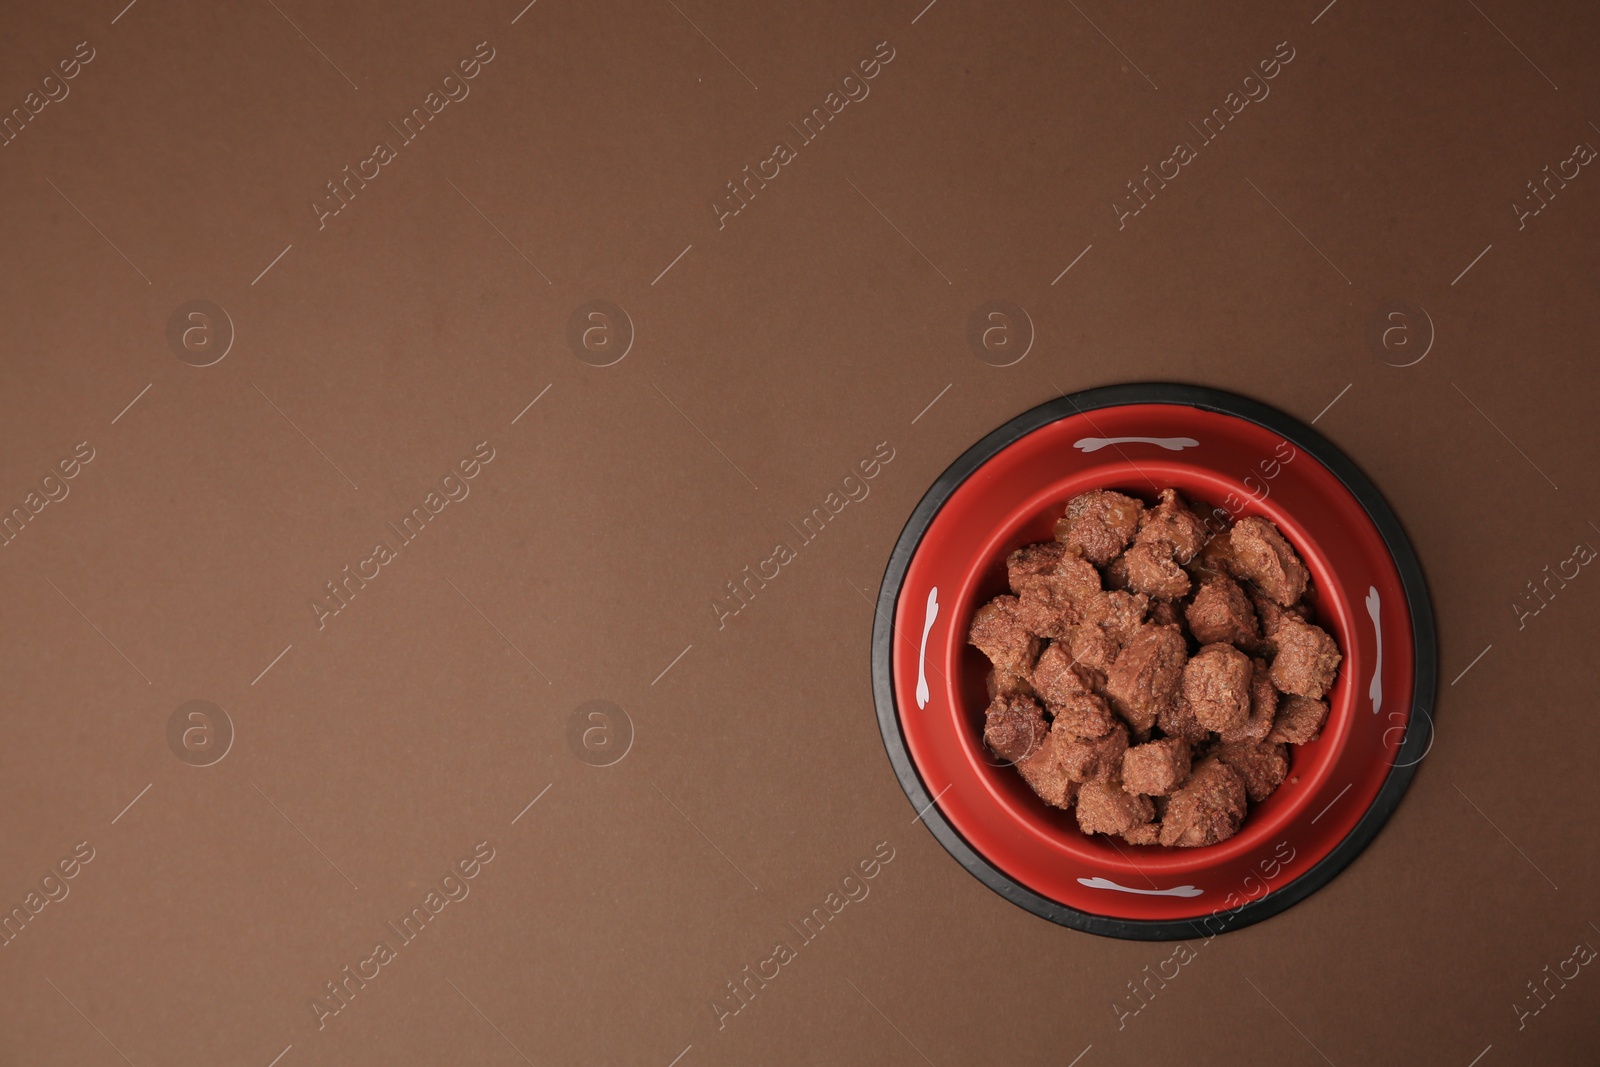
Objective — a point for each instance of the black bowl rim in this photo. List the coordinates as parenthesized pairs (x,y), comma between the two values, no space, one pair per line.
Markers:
(1419,728)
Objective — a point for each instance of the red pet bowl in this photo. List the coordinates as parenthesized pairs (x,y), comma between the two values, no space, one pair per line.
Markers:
(1007,491)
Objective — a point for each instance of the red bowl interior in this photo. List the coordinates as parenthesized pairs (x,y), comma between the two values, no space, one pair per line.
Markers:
(1226,461)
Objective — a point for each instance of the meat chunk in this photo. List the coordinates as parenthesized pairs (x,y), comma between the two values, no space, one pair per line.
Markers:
(1216,682)
(1014,727)
(1261,765)
(1148,833)
(1166,613)
(1116,573)
(999,634)
(1299,721)
(1030,561)
(1092,760)
(1221,614)
(1215,558)
(1002,683)
(1156,768)
(1042,771)
(1263,707)
(1051,603)
(1056,676)
(1109,620)
(1208,809)
(1307,659)
(1172,526)
(1083,717)
(1262,555)
(1152,571)
(1178,720)
(1144,679)
(1099,524)
(1104,807)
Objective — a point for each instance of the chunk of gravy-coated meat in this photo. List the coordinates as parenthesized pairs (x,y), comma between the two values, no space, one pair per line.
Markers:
(1032,560)
(1083,717)
(1261,555)
(1144,679)
(1085,761)
(1262,765)
(1000,635)
(1178,721)
(1156,768)
(1056,675)
(1104,807)
(1171,525)
(1152,571)
(1263,707)
(1208,809)
(1047,778)
(1299,720)
(1002,683)
(1216,682)
(1307,659)
(1099,524)
(1221,613)
(1014,727)
(1110,619)
(1050,604)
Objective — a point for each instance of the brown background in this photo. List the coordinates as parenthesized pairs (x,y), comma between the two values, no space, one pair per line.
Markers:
(771,357)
